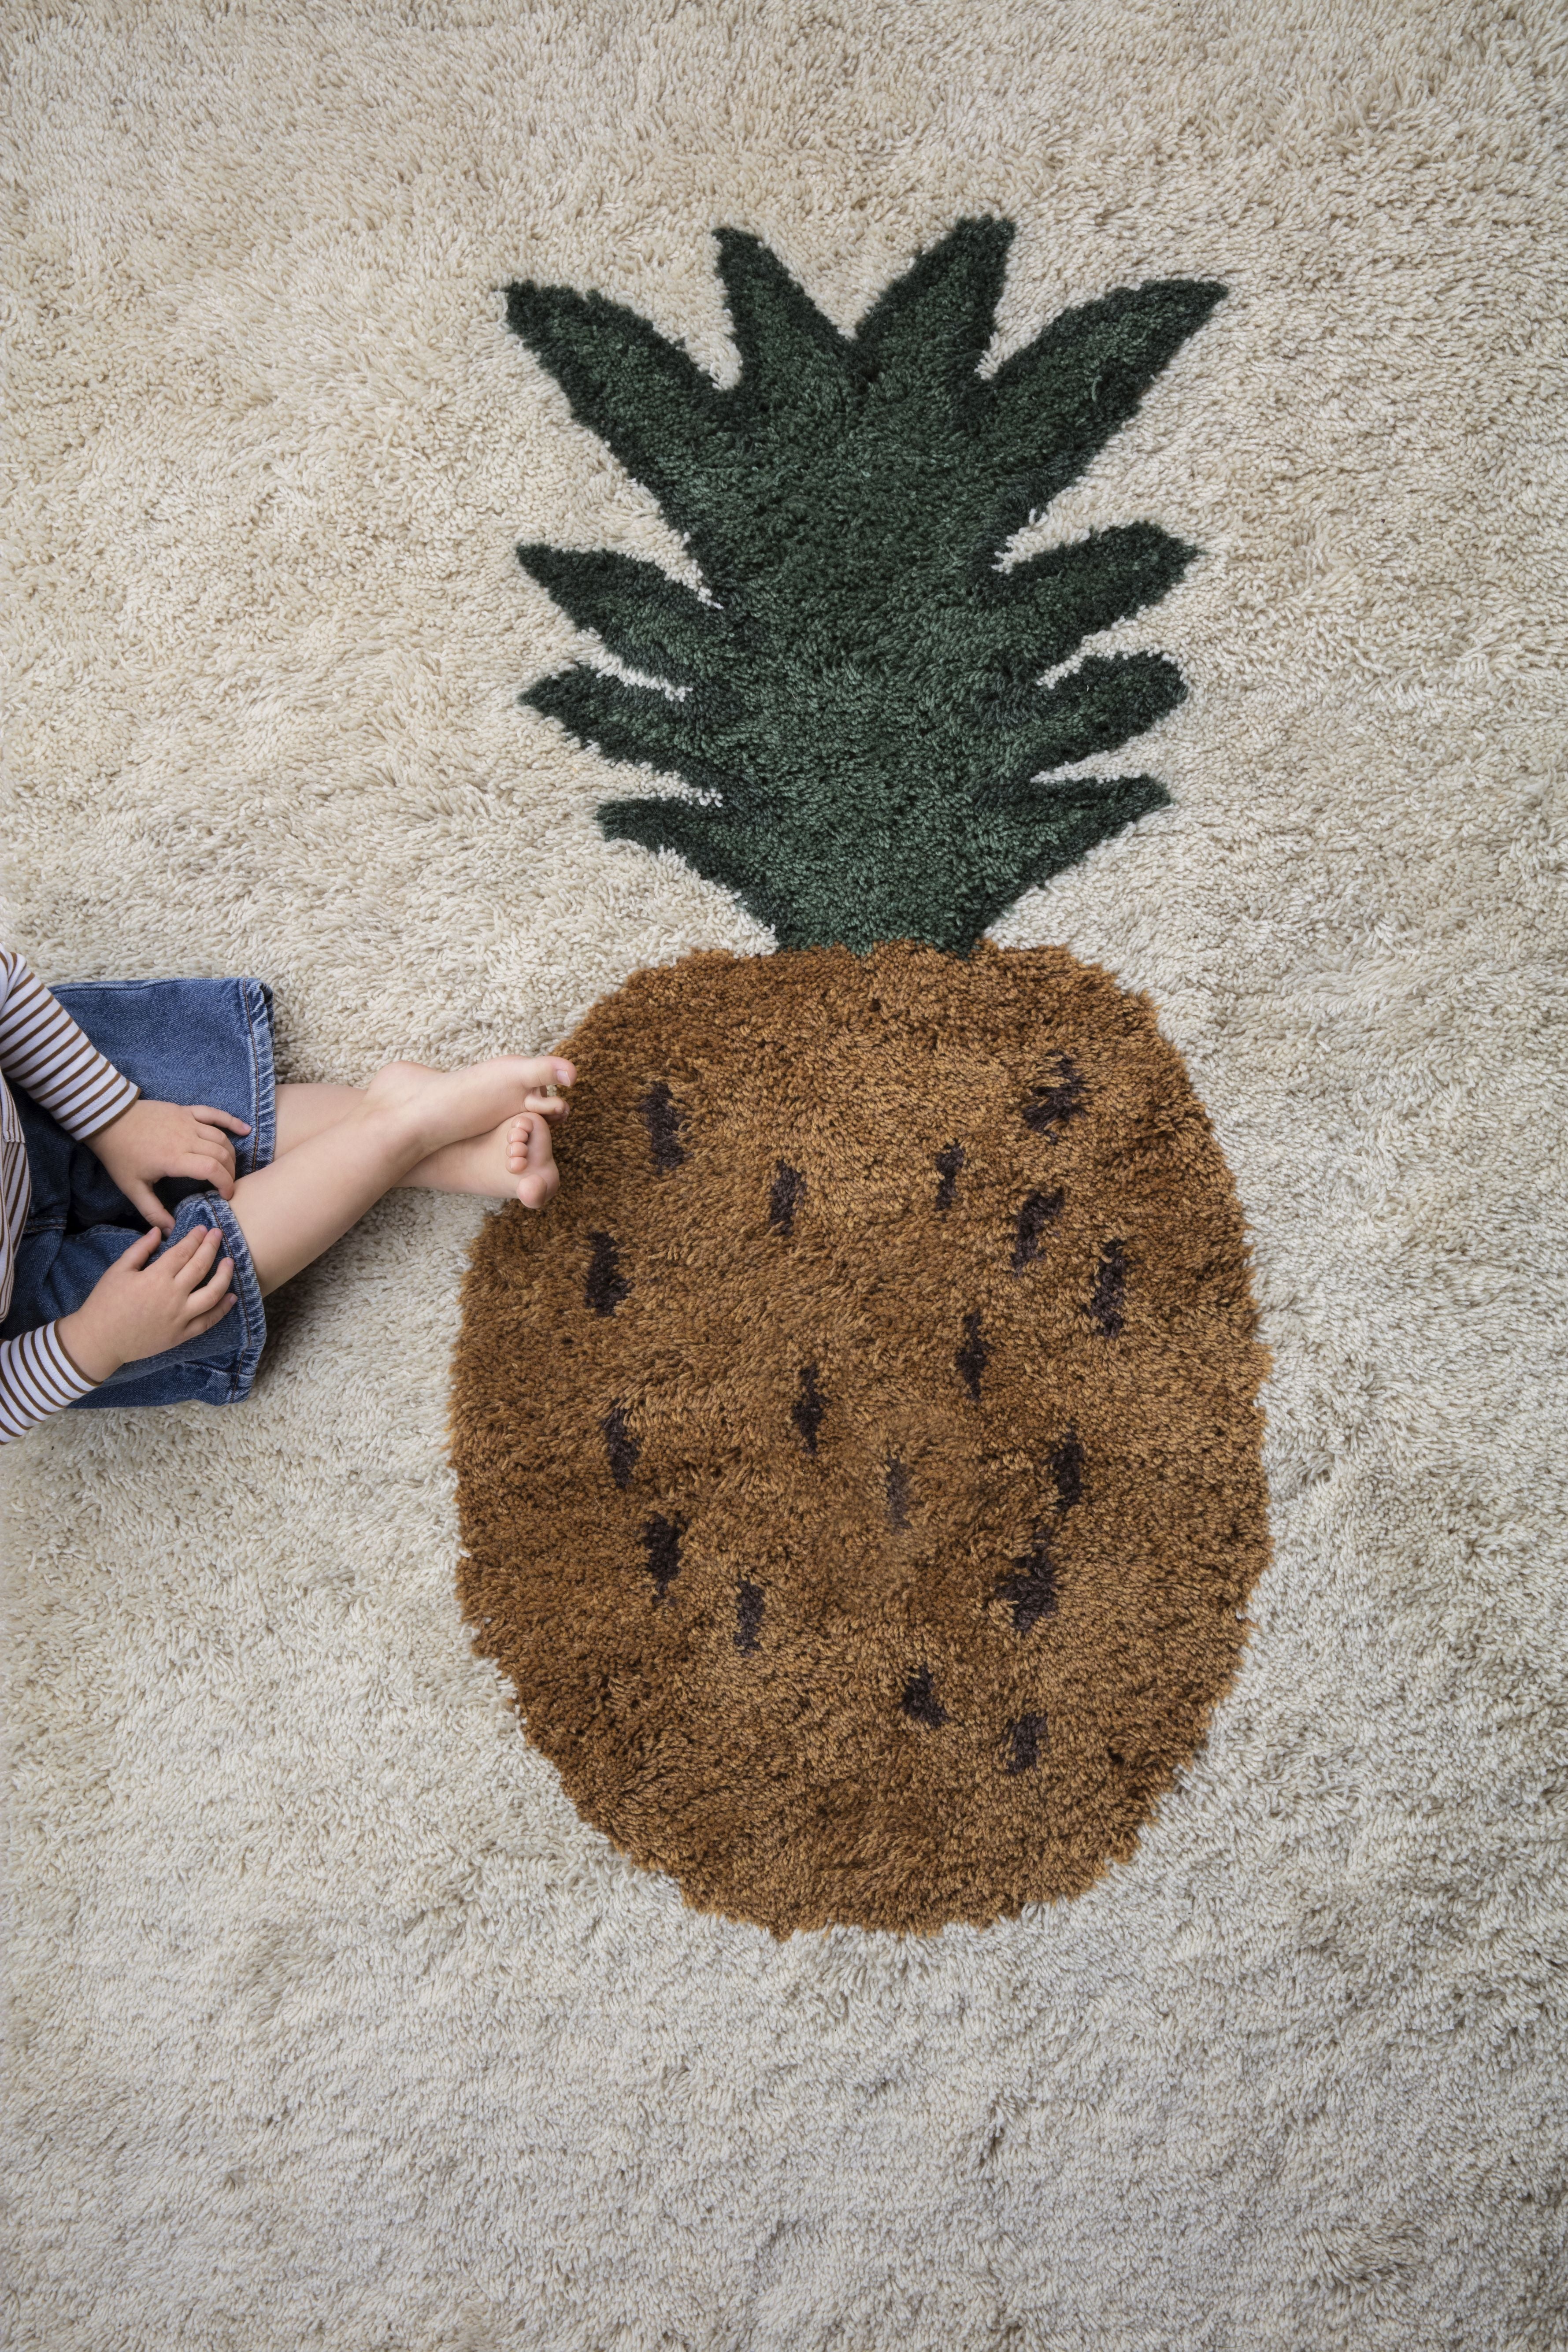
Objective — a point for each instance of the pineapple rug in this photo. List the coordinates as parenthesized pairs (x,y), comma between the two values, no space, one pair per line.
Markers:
(930,1712)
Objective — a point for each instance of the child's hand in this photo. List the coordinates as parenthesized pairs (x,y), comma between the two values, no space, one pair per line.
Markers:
(140,1308)
(158,1138)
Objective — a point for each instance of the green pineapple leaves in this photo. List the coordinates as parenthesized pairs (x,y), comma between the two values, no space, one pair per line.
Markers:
(856,693)
(643,617)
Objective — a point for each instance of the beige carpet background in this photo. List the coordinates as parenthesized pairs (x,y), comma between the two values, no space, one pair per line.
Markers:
(333,2025)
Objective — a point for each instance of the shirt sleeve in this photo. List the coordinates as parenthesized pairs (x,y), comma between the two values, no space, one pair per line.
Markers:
(37,1379)
(42,1048)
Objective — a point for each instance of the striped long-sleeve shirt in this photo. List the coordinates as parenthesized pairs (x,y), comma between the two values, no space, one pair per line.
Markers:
(42,1048)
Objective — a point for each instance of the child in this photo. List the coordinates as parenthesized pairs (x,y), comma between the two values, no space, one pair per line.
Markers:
(104,1139)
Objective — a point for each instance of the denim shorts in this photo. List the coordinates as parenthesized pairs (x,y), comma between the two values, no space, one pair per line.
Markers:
(184,1041)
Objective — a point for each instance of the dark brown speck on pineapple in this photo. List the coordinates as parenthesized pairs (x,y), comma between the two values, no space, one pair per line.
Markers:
(662,1541)
(662,1116)
(921,1703)
(607,1287)
(750,1605)
(948,1164)
(808,1408)
(1024,1739)
(788,1606)
(620,1446)
(788,1192)
(1040,1210)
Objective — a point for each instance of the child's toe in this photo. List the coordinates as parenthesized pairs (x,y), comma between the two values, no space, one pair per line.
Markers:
(534,1190)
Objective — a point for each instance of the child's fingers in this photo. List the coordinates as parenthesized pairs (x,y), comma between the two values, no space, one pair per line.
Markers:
(216,1145)
(201,1300)
(141,1196)
(141,1249)
(224,1119)
(190,1261)
(208,1168)
(216,1316)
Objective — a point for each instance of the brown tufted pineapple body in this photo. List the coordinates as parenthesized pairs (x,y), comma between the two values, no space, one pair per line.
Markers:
(859,1460)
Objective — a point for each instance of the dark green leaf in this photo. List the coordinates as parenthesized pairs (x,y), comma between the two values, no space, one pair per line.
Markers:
(1064,594)
(1056,404)
(623,722)
(929,330)
(706,838)
(647,398)
(1100,706)
(647,619)
(791,354)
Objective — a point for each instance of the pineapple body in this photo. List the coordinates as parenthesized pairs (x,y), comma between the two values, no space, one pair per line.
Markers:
(859,1462)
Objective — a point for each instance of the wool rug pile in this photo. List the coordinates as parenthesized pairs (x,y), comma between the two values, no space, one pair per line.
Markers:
(930,1713)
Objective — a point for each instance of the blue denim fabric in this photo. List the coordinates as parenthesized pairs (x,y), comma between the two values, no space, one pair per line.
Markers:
(184,1041)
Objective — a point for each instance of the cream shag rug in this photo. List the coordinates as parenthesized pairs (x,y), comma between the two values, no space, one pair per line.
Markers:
(335,2026)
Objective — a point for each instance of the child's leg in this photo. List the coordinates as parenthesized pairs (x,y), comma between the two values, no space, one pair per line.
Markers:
(488,1165)
(312,1192)
(303,1111)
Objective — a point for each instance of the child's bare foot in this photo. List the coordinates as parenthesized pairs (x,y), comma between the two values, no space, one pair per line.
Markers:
(437,1108)
(514,1159)
(531,1160)
(513,1162)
